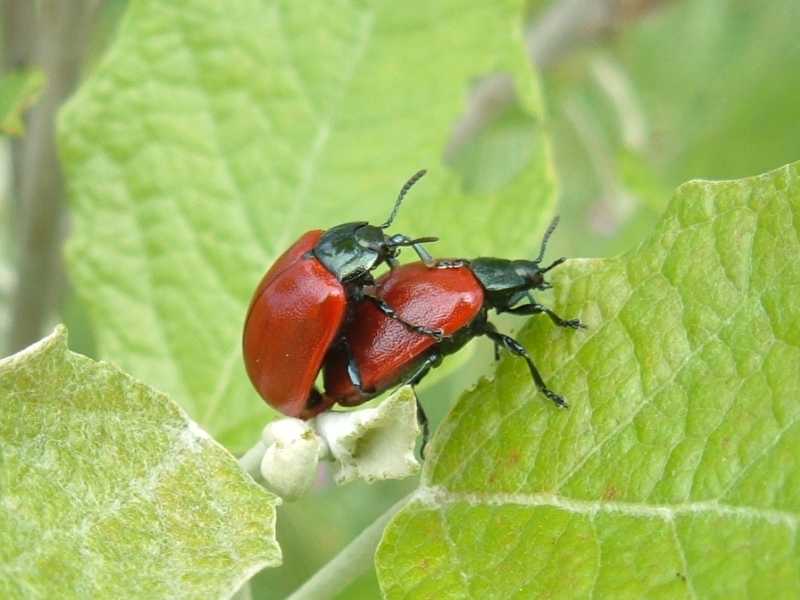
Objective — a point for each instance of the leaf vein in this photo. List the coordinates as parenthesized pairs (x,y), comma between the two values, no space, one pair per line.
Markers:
(439,497)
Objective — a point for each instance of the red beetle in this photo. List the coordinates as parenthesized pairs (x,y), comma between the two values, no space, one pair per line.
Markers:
(455,299)
(298,309)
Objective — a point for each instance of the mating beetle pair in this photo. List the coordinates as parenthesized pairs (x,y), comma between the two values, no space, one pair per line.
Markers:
(319,307)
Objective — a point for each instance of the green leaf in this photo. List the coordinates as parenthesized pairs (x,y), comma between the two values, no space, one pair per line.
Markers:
(213,134)
(675,471)
(18,91)
(107,487)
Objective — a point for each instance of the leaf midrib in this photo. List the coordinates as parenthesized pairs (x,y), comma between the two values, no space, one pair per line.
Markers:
(440,497)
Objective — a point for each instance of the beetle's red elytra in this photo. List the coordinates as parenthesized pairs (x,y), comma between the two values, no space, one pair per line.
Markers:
(454,296)
(301,303)
(319,307)
(384,350)
(299,307)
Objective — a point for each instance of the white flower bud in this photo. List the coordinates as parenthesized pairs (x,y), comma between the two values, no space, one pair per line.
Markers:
(290,462)
(369,443)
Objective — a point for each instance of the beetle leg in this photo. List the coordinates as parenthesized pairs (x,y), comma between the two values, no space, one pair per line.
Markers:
(449,264)
(387,310)
(422,419)
(353,372)
(424,255)
(399,239)
(534,308)
(518,349)
(434,359)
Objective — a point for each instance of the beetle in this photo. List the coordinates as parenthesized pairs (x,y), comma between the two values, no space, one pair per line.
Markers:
(456,299)
(299,307)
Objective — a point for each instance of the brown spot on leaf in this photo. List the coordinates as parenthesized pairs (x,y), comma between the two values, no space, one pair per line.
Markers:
(610,492)
(513,457)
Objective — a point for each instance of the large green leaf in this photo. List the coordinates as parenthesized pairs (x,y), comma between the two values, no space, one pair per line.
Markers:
(108,490)
(214,133)
(675,473)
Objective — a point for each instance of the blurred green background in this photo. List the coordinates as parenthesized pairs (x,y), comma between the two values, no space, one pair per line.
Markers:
(640,95)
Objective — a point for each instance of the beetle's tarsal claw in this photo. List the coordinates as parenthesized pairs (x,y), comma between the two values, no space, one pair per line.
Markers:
(575,324)
(559,401)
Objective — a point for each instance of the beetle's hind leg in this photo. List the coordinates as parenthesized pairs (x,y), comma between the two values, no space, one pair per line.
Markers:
(518,349)
(434,359)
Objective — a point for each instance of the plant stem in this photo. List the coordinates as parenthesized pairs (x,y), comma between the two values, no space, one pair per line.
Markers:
(351,562)
(62,33)
(19,34)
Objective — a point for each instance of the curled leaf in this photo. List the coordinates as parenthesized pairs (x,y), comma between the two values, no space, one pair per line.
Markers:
(373,443)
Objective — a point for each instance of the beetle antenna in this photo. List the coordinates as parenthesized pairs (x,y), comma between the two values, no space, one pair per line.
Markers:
(554,264)
(403,191)
(546,237)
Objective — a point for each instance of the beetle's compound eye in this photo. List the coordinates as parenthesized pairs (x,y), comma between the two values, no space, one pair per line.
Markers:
(390,246)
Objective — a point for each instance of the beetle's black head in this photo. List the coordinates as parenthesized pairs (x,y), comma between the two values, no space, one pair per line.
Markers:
(507,282)
(352,250)
(530,272)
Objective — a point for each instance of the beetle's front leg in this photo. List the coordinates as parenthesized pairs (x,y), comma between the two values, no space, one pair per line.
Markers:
(456,263)
(399,240)
(423,254)
(534,308)
(381,305)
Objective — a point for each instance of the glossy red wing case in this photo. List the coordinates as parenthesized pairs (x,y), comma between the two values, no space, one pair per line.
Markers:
(294,317)
(385,349)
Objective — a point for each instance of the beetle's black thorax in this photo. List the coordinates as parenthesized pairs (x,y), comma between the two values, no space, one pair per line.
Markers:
(351,250)
(506,282)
